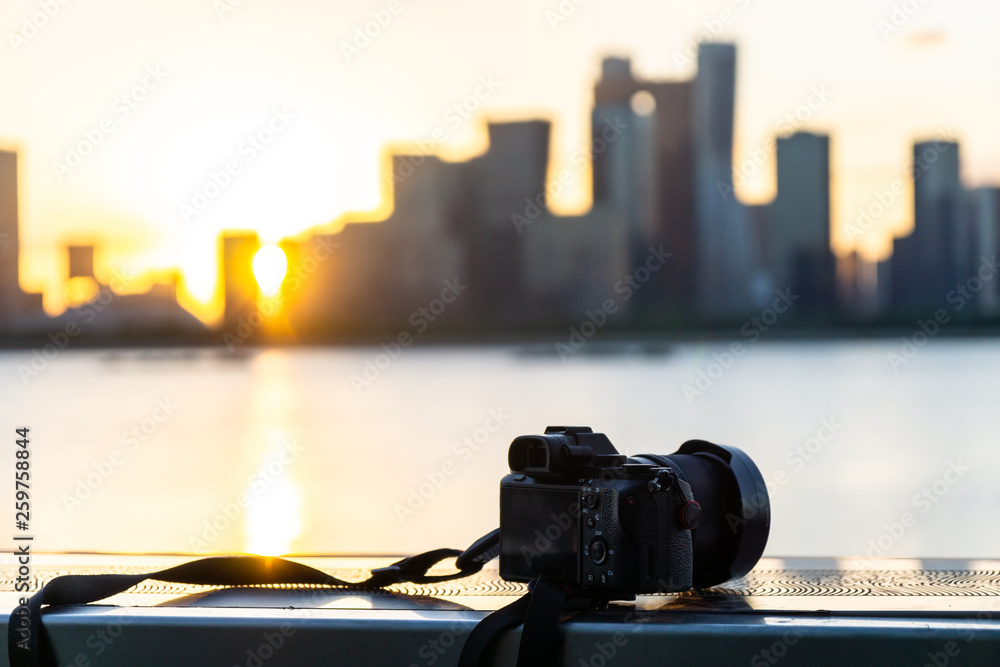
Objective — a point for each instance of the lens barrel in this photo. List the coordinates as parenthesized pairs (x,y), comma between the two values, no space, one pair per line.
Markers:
(736,510)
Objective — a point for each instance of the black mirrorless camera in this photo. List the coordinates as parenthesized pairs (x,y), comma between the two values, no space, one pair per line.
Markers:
(576,511)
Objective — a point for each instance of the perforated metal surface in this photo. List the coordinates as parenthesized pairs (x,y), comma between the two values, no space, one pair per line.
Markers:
(862,582)
(776,584)
(816,612)
(781,582)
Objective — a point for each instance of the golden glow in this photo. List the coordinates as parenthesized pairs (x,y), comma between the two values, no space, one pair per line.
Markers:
(80,290)
(274,516)
(185,141)
(274,519)
(269,268)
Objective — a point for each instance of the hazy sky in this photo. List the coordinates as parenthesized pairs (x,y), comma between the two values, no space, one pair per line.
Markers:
(209,78)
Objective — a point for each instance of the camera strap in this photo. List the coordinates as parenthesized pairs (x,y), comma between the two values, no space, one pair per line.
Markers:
(26,646)
(539,610)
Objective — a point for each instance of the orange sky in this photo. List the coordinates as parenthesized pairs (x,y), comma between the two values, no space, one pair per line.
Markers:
(174,90)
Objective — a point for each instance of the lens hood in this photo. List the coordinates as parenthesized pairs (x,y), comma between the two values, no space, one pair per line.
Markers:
(736,509)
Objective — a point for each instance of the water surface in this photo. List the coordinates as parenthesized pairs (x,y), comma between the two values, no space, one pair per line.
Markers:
(279,451)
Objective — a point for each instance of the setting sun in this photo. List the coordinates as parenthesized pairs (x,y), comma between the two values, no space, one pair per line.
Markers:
(269,268)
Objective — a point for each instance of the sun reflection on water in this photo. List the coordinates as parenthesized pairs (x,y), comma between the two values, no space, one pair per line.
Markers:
(274,518)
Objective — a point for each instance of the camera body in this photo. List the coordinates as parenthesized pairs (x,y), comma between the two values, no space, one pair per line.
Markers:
(575,510)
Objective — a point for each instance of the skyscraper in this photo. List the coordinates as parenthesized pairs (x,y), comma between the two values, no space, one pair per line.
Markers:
(798,226)
(508,185)
(239,285)
(417,248)
(984,222)
(646,170)
(726,253)
(623,152)
(937,255)
(512,170)
(10,290)
(675,195)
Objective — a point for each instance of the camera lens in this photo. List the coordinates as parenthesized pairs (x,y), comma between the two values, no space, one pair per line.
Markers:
(735,508)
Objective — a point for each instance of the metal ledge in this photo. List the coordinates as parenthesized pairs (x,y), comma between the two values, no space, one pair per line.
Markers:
(792,612)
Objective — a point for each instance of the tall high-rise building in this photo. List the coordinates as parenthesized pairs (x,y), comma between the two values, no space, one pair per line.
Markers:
(419,247)
(508,187)
(612,94)
(798,225)
(675,194)
(929,263)
(623,152)
(512,170)
(884,286)
(726,252)
(238,281)
(643,166)
(10,290)
(669,171)
(984,221)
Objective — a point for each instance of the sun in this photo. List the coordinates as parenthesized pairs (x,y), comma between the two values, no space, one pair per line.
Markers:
(269,268)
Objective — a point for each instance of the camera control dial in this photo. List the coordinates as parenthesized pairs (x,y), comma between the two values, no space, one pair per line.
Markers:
(598,551)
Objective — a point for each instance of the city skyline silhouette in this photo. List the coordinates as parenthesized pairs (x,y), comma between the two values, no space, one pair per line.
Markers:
(664,185)
(887,88)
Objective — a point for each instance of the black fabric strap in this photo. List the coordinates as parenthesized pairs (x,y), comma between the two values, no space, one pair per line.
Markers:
(25,642)
(538,638)
(482,636)
(539,610)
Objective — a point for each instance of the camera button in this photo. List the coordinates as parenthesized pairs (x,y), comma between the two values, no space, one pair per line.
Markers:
(598,551)
(691,515)
(590,577)
(590,500)
(604,578)
(590,522)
